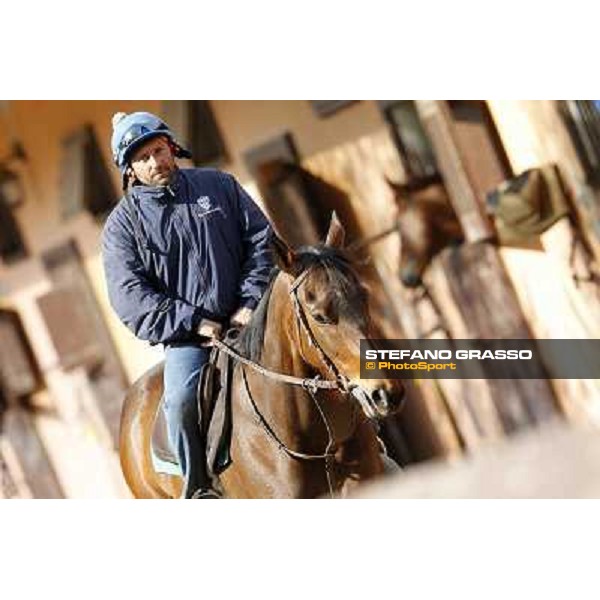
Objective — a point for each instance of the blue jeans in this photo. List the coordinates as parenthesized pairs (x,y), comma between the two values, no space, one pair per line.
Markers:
(183,363)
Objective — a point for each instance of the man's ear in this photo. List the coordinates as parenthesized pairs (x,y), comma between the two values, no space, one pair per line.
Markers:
(336,234)
(283,255)
(172,146)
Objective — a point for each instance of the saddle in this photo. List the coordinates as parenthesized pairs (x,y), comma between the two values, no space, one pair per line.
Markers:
(215,424)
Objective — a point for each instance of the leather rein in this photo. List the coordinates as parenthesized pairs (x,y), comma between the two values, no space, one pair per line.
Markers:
(311,385)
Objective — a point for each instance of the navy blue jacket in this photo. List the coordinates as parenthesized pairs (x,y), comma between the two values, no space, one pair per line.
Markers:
(204,252)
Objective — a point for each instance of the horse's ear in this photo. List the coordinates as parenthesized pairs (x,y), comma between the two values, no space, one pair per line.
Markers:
(336,234)
(283,255)
(399,190)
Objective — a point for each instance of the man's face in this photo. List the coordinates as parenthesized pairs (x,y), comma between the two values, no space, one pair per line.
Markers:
(153,163)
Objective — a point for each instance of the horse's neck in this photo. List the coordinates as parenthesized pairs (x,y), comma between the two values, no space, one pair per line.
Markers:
(281,346)
(288,406)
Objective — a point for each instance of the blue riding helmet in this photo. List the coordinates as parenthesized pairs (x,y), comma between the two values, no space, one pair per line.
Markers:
(130,131)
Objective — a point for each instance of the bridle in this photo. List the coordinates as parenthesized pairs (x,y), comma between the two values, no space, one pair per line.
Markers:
(339,382)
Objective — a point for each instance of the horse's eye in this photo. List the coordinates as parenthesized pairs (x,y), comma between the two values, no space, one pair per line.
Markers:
(321,319)
(310,296)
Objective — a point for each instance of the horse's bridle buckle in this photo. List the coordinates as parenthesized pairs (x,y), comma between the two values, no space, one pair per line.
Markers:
(311,385)
(344,384)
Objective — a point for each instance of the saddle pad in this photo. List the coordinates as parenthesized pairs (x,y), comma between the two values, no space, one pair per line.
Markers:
(163,459)
(164,467)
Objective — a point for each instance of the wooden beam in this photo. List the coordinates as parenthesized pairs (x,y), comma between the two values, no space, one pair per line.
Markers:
(438,123)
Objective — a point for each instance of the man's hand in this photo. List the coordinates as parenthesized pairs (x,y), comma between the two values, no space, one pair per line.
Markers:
(209,329)
(241,317)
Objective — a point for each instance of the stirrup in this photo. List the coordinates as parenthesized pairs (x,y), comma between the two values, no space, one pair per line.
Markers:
(206,494)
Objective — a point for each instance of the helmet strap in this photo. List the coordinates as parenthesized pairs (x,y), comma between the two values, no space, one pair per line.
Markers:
(128,178)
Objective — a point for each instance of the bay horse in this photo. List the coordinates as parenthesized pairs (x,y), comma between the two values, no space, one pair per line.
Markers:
(426,223)
(287,441)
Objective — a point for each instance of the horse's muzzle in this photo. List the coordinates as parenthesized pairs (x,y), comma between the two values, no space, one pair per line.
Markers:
(379,402)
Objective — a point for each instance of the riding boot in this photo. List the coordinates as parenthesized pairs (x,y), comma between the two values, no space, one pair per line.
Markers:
(203,482)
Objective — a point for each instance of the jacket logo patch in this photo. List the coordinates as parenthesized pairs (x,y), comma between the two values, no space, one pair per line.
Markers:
(204,203)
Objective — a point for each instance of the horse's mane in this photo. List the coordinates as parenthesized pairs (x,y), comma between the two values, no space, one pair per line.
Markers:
(341,276)
(250,342)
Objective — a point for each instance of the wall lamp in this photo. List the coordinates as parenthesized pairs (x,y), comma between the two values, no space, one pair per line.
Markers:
(11,186)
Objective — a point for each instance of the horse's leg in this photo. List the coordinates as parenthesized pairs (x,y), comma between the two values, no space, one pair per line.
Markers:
(361,458)
(137,422)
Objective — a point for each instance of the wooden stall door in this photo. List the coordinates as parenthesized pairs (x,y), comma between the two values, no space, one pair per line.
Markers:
(479,302)
(20,379)
(283,192)
(79,334)
(40,477)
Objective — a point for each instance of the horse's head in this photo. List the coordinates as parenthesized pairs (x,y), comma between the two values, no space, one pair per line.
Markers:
(331,313)
(426,224)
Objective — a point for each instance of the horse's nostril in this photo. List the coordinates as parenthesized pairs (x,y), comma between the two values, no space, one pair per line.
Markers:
(410,279)
(380,397)
(387,401)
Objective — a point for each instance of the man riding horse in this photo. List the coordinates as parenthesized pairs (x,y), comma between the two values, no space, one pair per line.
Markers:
(186,252)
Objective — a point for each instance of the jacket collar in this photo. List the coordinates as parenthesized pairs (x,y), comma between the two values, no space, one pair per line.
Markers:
(159,193)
